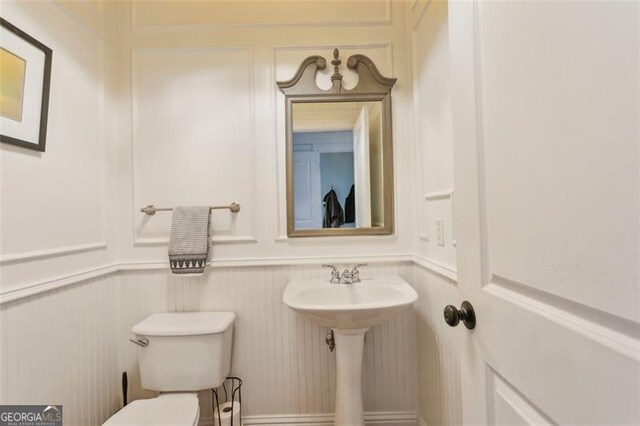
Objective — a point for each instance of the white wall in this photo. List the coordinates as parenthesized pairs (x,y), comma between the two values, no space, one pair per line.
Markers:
(432,124)
(57,336)
(202,122)
(434,274)
(54,208)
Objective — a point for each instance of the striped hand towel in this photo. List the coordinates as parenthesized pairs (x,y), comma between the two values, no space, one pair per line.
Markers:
(189,241)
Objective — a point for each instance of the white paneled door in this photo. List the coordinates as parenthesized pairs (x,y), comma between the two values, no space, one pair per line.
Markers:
(306,191)
(545,129)
(361,168)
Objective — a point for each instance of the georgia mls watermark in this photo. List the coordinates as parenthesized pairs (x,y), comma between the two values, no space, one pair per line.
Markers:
(30,415)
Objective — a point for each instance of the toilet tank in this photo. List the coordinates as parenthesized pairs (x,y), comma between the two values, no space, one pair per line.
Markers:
(187,351)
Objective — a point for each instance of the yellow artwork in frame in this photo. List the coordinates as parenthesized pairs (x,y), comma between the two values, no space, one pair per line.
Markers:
(12,73)
(25,80)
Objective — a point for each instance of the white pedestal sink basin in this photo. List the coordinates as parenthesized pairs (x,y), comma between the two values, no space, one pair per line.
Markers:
(349,309)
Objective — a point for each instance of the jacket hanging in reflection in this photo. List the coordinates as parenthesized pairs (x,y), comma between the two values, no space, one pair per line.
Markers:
(333,213)
(350,206)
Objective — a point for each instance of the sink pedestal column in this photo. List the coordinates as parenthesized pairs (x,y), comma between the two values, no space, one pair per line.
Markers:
(349,349)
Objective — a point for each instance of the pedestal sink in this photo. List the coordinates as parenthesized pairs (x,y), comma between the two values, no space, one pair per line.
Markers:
(349,309)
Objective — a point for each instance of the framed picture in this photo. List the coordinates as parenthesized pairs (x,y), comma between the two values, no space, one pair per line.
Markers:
(25,76)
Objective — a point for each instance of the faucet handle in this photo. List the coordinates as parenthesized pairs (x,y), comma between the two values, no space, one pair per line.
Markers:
(355,272)
(358,265)
(335,274)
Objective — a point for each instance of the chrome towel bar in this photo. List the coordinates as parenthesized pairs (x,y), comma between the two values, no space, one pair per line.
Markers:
(151,209)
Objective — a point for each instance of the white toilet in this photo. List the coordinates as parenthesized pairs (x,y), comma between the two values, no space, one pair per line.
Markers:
(179,354)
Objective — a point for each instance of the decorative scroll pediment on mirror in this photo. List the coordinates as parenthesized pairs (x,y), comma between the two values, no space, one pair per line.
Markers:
(339,150)
(304,81)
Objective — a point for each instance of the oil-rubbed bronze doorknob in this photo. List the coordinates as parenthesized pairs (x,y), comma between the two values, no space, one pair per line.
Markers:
(453,315)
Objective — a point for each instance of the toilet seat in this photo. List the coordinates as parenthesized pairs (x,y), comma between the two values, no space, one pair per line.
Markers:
(176,409)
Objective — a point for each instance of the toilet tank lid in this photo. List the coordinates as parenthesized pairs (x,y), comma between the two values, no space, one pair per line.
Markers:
(184,323)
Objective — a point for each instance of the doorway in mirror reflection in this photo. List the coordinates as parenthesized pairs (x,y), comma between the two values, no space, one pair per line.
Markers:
(337,165)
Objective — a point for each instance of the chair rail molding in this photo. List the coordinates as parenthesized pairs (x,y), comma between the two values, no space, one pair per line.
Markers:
(52,252)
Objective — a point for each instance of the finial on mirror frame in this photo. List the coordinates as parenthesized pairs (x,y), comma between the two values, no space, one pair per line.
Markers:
(336,63)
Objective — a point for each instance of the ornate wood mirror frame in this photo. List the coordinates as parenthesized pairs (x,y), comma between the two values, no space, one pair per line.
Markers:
(371,87)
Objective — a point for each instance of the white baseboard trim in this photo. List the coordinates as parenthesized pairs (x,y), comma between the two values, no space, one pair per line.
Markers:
(381,418)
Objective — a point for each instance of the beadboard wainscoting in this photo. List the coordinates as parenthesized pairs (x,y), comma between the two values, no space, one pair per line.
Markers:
(439,392)
(282,359)
(60,347)
(77,336)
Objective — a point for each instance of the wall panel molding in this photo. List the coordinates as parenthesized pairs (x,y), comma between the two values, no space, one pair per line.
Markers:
(433,193)
(418,11)
(224,239)
(445,194)
(438,195)
(87,17)
(384,20)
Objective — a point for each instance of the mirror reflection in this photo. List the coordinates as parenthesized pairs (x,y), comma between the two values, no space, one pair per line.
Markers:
(337,165)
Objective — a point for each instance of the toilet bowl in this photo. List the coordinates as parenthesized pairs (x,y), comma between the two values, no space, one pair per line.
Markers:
(176,409)
(179,354)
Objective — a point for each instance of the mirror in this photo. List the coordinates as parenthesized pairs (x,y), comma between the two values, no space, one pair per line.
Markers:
(339,152)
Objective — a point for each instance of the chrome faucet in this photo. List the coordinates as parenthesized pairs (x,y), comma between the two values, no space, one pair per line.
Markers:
(335,274)
(347,277)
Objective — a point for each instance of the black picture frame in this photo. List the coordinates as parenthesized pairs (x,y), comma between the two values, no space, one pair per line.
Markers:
(44,107)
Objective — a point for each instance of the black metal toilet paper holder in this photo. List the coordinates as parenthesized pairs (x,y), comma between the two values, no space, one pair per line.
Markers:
(236,390)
